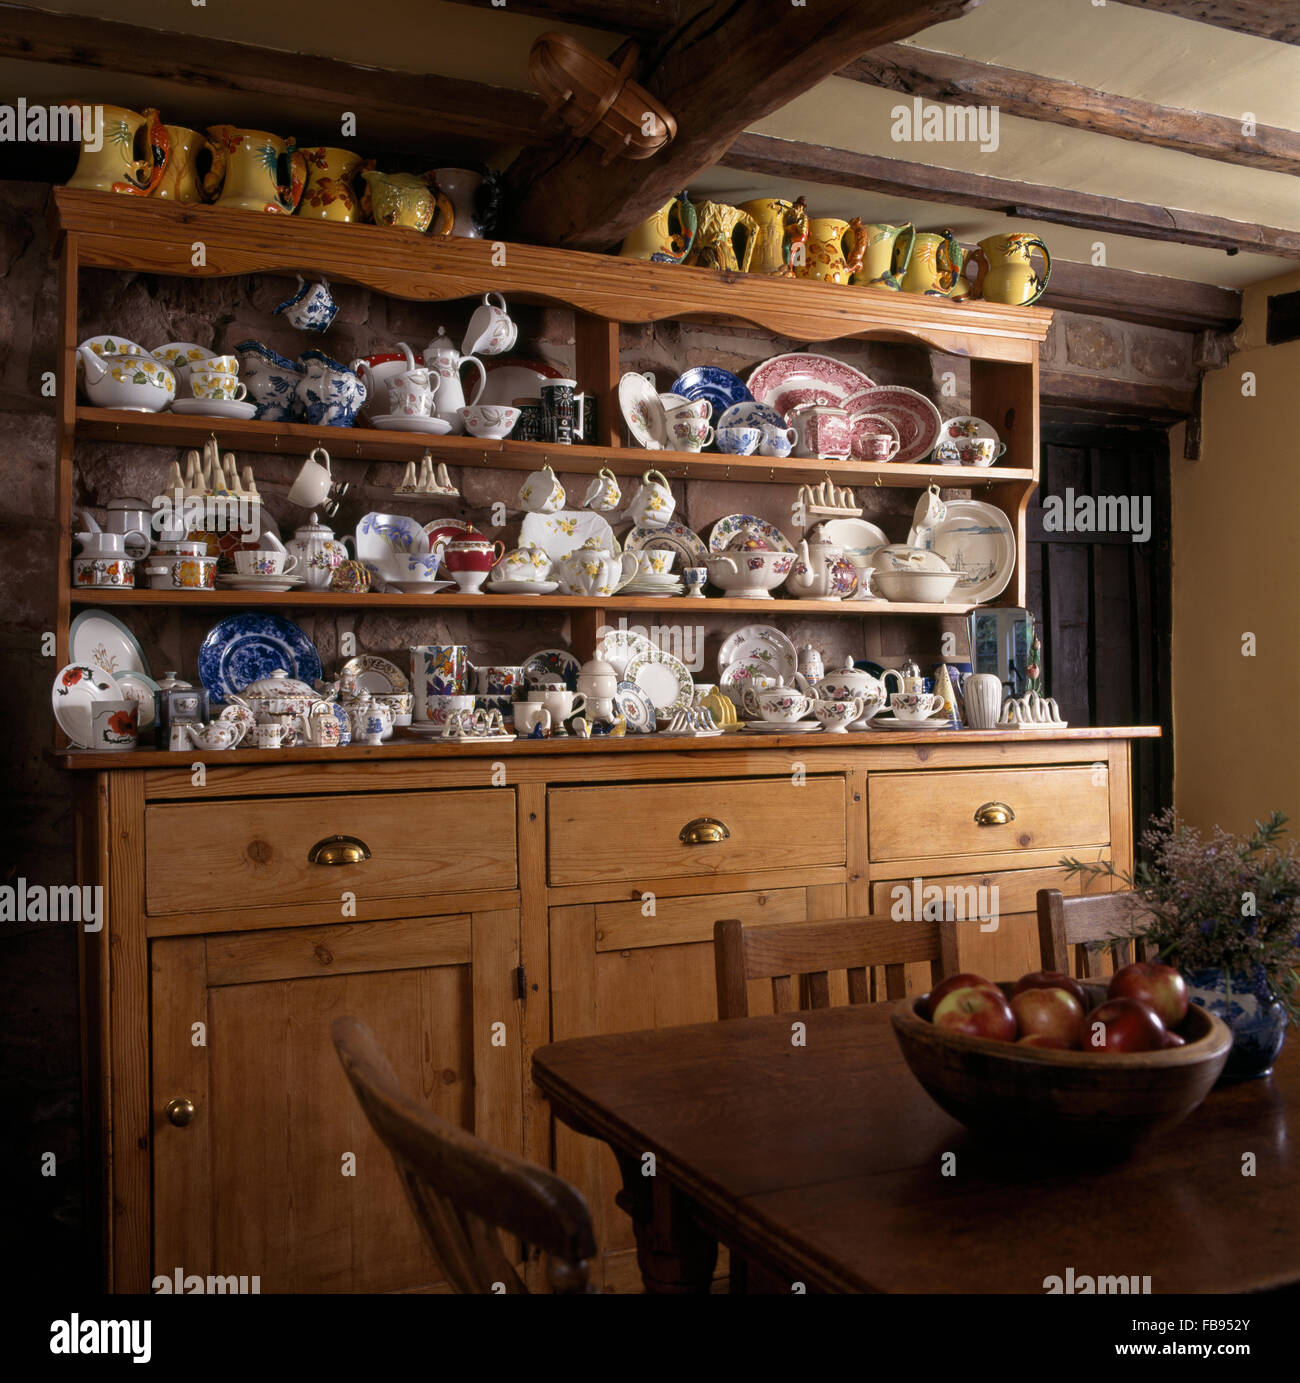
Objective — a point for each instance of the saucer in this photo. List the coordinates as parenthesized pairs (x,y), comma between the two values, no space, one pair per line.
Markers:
(769,727)
(215,408)
(928,723)
(399,422)
(418,587)
(521,587)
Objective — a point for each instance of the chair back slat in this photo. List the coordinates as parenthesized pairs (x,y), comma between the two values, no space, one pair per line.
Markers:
(1083,922)
(463,1191)
(813,950)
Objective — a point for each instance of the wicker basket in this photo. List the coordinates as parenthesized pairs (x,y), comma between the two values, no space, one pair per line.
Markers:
(596,99)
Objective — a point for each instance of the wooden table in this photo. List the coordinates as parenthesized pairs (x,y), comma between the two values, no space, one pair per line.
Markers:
(824,1164)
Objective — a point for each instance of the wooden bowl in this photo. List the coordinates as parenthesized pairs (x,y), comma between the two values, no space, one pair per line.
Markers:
(1043,1096)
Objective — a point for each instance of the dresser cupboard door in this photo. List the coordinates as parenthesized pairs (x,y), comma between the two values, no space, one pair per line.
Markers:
(277,1173)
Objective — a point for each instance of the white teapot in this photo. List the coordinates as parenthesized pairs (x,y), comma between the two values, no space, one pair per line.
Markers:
(216,734)
(591,571)
(849,682)
(823,572)
(444,363)
(318,552)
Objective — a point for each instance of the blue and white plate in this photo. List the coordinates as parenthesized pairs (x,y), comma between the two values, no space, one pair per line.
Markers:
(720,387)
(751,414)
(635,707)
(246,647)
(387,540)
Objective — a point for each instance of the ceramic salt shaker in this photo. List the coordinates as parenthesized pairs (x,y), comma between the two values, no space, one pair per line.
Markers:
(810,663)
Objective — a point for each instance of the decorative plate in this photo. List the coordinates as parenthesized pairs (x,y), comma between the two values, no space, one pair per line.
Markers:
(733,526)
(620,646)
(976,540)
(786,382)
(771,727)
(376,675)
(916,418)
(382,538)
(238,409)
(552,665)
(942,722)
(862,423)
(672,537)
(642,410)
(103,641)
(762,643)
(854,535)
(522,587)
(566,530)
(635,707)
(76,689)
(511,377)
(139,687)
(965,426)
(720,387)
(664,679)
(244,648)
(751,414)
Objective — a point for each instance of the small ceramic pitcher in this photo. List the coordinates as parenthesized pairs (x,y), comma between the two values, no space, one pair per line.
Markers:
(835,249)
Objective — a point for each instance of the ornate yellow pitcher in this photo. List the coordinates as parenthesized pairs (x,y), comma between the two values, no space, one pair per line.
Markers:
(330,194)
(656,239)
(726,239)
(835,249)
(782,234)
(254,171)
(114,165)
(1005,271)
(886,259)
(402,199)
(936,266)
(180,183)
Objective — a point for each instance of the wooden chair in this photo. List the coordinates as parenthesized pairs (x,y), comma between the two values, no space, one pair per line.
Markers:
(813,949)
(1064,922)
(463,1190)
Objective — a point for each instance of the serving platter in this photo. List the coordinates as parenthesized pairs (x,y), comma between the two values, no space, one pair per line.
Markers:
(916,419)
(786,382)
(247,647)
(565,531)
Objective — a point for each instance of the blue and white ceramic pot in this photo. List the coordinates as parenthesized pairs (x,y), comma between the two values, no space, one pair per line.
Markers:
(1252,1012)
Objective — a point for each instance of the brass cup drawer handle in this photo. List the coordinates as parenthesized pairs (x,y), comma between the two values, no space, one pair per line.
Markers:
(181,1111)
(338,850)
(994,814)
(704,830)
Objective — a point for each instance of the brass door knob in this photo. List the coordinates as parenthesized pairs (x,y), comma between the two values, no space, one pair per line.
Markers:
(338,850)
(994,814)
(181,1111)
(704,830)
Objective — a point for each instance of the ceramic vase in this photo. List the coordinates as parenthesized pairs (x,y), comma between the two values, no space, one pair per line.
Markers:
(1252,1012)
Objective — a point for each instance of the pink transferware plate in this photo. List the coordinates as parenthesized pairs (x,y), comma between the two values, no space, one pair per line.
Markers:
(864,424)
(788,381)
(915,417)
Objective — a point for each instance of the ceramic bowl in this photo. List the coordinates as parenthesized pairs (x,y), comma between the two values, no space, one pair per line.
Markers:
(837,716)
(138,383)
(928,587)
(753,573)
(1085,1101)
(738,441)
(182,573)
(491,421)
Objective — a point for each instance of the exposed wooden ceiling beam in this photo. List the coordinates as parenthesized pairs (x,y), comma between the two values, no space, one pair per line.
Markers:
(719,71)
(1165,403)
(637,17)
(1151,299)
(410,109)
(1276,19)
(958,81)
(893,177)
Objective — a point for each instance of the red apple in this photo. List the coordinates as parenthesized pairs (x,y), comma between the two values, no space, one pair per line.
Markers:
(1159,986)
(976,1012)
(1173,1040)
(1049,1013)
(1038,1039)
(1123,1025)
(1052,979)
(946,987)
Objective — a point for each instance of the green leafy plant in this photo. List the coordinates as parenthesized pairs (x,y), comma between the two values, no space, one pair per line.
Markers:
(1217,902)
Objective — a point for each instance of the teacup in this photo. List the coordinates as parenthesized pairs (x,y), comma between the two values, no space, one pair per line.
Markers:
(777,441)
(217,385)
(423,566)
(114,724)
(699,410)
(400,705)
(268,736)
(914,705)
(222,364)
(313,484)
(561,704)
(410,394)
(491,332)
(781,704)
(654,562)
(837,715)
(434,710)
(653,504)
(739,441)
(603,494)
(529,715)
(877,446)
(490,421)
(689,434)
(264,562)
(523,564)
(541,493)
(498,681)
(312,307)
(979,451)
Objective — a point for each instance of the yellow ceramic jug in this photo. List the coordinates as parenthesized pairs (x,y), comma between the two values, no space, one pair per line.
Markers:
(180,183)
(330,194)
(835,249)
(402,199)
(1005,271)
(936,265)
(726,238)
(886,259)
(255,171)
(782,234)
(113,165)
(656,239)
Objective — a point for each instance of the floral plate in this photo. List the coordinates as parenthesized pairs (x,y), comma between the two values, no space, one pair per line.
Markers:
(761,643)
(635,707)
(642,410)
(552,665)
(383,539)
(672,537)
(247,647)
(788,381)
(103,641)
(733,526)
(140,688)
(620,646)
(664,679)
(913,415)
(76,689)
(565,531)
(376,675)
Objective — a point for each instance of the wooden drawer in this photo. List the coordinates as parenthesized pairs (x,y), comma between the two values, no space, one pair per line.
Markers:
(929,815)
(632,832)
(254,854)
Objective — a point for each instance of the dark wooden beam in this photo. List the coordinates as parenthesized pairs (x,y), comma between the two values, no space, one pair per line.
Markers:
(958,81)
(723,67)
(1161,403)
(787,158)
(1276,19)
(640,18)
(410,109)
(1150,299)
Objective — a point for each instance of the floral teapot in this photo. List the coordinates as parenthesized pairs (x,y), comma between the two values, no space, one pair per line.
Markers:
(851,682)
(823,572)
(594,571)
(444,364)
(318,552)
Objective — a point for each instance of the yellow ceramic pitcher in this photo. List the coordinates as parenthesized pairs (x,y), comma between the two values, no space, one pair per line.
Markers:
(725,239)
(254,171)
(656,239)
(113,166)
(889,252)
(1005,271)
(782,234)
(330,194)
(936,266)
(402,199)
(180,183)
(835,249)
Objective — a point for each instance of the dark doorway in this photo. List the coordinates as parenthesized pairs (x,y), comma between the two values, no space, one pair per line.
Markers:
(1102,600)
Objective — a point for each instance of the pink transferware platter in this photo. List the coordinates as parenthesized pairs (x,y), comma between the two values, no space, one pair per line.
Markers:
(788,381)
(916,418)
(862,424)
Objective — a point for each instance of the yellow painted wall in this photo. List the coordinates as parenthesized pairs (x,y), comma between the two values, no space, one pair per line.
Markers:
(1236,558)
